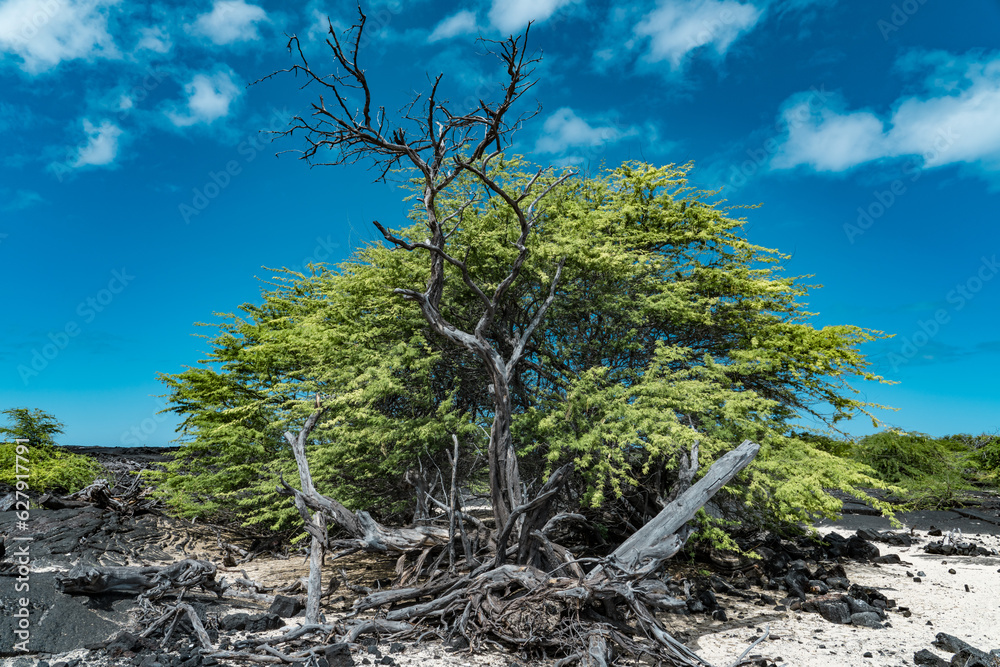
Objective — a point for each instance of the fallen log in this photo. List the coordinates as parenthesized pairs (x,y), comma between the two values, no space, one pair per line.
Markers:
(658,539)
(147,582)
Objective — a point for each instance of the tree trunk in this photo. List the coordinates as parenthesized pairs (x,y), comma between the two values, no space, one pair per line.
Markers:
(505,477)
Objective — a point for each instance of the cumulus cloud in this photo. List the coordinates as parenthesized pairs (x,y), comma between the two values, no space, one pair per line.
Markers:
(462,23)
(565,131)
(101,147)
(44,33)
(154,39)
(676,28)
(209,97)
(954,119)
(513,15)
(230,21)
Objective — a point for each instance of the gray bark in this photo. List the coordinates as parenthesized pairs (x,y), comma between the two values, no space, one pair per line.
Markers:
(659,536)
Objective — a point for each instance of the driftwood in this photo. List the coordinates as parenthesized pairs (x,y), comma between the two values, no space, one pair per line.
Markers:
(555,608)
(658,539)
(148,582)
(125,501)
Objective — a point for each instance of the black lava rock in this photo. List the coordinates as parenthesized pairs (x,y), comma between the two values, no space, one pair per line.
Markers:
(286,606)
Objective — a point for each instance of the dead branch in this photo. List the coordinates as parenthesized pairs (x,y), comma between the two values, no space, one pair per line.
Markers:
(148,582)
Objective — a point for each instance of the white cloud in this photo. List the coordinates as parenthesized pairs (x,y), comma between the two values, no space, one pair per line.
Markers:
(676,28)
(827,137)
(462,23)
(18,200)
(209,97)
(231,21)
(102,144)
(564,131)
(512,16)
(154,39)
(44,33)
(956,119)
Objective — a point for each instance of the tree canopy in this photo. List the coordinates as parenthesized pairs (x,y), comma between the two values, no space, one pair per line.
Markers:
(667,326)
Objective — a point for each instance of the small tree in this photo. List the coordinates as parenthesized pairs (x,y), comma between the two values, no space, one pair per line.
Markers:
(37,426)
(49,467)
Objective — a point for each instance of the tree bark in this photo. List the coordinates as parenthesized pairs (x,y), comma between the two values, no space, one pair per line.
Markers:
(654,539)
(150,581)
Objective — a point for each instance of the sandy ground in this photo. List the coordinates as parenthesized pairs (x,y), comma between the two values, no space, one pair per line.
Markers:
(938,603)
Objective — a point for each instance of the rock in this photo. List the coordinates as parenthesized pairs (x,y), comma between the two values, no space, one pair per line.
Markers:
(234,621)
(835,612)
(858,606)
(890,559)
(339,655)
(928,659)
(817,587)
(286,606)
(263,623)
(60,623)
(861,549)
(870,595)
(707,598)
(797,582)
(397,647)
(839,583)
(458,643)
(867,619)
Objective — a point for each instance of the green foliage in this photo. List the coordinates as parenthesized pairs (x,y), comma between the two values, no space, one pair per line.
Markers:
(932,471)
(49,468)
(984,454)
(668,326)
(36,426)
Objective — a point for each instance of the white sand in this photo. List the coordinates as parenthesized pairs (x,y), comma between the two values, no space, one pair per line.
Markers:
(939,603)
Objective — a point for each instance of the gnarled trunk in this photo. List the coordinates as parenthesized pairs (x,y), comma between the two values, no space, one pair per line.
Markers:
(505,476)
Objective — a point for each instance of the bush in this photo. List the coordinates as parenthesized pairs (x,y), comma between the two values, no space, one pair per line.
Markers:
(984,454)
(49,468)
(931,471)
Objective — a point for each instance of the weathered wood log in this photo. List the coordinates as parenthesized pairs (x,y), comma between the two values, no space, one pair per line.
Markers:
(149,582)
(651,540)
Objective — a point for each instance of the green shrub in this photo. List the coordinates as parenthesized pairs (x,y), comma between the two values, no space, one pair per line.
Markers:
(49,468)
(984,454)
(933,472)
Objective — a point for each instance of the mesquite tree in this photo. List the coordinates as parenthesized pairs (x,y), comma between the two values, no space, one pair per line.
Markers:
(448,148)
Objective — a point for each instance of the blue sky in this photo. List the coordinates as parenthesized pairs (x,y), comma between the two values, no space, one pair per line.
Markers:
(137,195)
